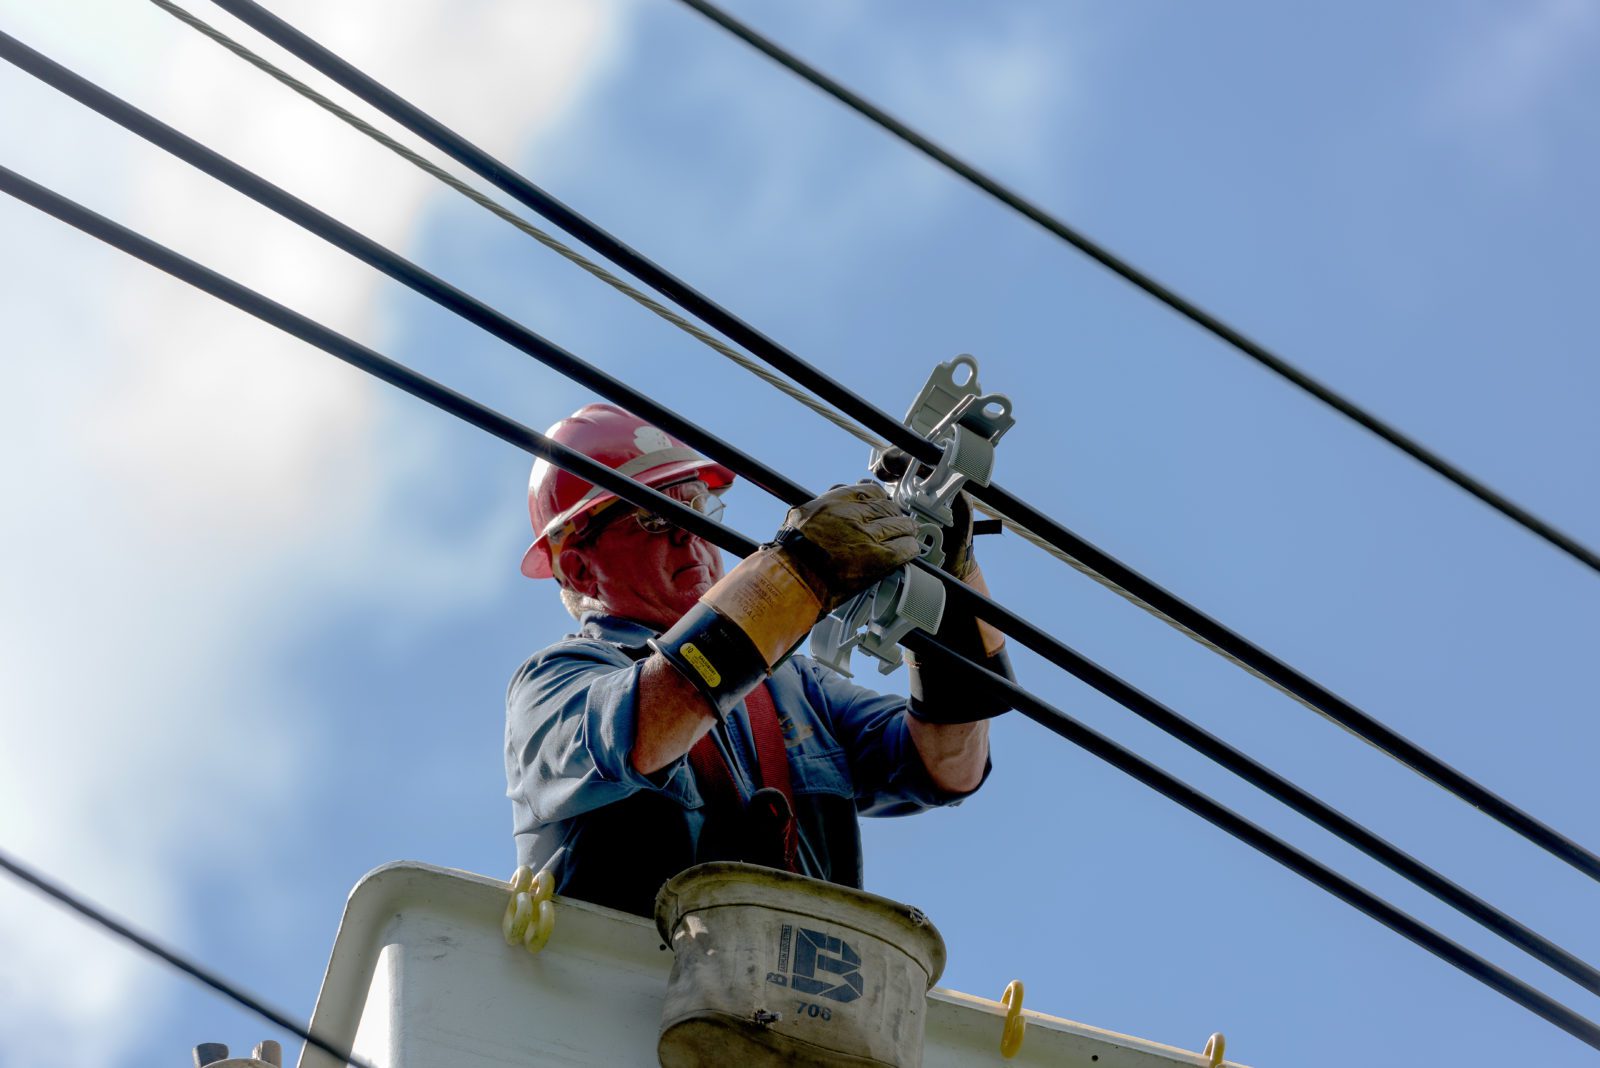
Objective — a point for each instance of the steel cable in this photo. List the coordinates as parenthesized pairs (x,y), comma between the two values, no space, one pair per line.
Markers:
(562,249)
(635,493)
(77,903)
(716,344)
(1128,273)
(1185,615)
(706,338)
(565,363)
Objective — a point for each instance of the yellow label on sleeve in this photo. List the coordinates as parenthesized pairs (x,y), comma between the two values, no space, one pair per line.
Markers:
(698,660)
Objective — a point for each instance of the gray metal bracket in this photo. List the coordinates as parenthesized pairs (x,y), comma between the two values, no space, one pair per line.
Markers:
(952,411)
(874,621)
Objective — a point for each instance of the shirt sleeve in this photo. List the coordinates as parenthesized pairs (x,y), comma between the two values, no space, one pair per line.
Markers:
(885,767)
(570,724)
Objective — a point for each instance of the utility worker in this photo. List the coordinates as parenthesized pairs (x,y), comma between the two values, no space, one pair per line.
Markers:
(674,728)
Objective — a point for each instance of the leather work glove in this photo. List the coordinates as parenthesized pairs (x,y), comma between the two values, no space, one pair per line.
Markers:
(829,549)
(846,540)
(941,692)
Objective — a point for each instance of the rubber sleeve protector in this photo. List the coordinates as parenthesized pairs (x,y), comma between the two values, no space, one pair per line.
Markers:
(743,627)
(940,691)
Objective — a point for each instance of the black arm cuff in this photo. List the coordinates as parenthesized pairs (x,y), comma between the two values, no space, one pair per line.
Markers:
(715,656)
(944,692)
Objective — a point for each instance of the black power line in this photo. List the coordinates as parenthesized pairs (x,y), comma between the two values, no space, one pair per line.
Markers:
(1046,645)
(635,493)
(52,889)
(1123,269)
(890,428)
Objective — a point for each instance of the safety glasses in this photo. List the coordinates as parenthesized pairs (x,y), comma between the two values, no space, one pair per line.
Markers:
(704,501)
(693,493)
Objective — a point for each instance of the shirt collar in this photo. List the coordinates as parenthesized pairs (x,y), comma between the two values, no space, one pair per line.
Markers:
(627,633)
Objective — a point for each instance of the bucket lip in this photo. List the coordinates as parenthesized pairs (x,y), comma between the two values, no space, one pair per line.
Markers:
(692,890)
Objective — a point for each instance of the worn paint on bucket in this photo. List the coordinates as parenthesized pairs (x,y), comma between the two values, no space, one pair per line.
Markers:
(774,969)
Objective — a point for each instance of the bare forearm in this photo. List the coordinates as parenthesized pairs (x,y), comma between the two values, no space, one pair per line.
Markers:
(954,753)
(672,716)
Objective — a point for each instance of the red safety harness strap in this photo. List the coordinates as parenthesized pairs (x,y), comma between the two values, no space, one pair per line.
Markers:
(716,781)
(771,754)
(712,774)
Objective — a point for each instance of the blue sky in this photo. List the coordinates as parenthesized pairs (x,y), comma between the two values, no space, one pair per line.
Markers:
(258,613)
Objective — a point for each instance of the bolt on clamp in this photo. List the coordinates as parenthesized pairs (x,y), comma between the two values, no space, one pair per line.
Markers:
(951,411)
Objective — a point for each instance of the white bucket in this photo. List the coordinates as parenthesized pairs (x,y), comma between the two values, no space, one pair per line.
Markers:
(774,969)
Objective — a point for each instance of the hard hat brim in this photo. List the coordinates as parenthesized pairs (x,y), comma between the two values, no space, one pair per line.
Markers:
(536,561)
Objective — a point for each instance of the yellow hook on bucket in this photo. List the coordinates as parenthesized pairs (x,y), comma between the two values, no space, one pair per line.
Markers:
(1215,1045)
(1011,1037)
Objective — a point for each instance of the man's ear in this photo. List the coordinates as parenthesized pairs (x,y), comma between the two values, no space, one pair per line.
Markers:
(580,577)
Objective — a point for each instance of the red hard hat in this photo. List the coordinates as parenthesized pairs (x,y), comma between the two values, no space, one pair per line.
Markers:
(561,503)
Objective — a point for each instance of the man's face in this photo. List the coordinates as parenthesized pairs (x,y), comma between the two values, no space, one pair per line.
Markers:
(650,577)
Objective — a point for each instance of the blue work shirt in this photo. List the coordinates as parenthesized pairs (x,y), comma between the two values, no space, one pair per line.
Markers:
(613,835)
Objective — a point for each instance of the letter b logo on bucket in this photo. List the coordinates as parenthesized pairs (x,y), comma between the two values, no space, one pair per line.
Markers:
(824,966)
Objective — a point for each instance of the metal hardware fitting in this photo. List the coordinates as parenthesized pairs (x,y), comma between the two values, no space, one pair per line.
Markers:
(952,411)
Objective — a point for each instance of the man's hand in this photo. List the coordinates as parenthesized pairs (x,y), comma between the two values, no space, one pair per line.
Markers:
(847,539)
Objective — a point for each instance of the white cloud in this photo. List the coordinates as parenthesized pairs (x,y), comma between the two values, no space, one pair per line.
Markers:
(989,90)
(171,463)
(1504,66)
(996,84)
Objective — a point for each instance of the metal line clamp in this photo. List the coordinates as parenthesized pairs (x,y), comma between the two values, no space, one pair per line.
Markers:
(951,411)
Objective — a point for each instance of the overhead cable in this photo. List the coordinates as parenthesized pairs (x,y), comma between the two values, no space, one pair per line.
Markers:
(77,903)
(558,359)
(648,302)
(706,338)
(1258,660)
(555,245)
(621,285)
(1178,303)
(635,493)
